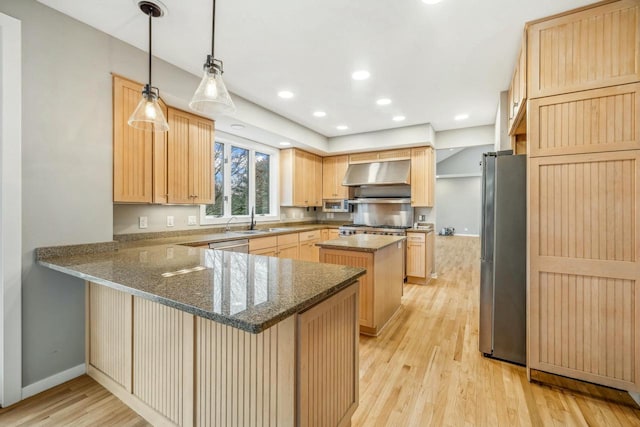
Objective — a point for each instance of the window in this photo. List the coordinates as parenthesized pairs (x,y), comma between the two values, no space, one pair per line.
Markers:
(244,178)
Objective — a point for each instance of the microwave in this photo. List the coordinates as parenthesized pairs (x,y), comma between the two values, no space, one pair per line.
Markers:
(335,205)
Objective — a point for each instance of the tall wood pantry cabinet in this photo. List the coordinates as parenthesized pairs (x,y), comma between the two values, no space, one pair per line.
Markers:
(160,167)
(583,143)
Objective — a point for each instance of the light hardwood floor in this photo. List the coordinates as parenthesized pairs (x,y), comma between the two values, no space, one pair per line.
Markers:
(423,370)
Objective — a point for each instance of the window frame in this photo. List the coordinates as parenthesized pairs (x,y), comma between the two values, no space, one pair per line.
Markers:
(274,174)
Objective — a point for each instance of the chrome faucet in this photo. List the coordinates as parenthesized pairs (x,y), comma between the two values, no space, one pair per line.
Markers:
(253,221)
(228,228)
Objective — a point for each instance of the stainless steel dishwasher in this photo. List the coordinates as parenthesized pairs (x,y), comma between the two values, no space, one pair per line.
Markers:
(241,245)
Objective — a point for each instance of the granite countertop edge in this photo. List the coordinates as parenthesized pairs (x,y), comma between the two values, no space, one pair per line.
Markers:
(254,328)
(328,245)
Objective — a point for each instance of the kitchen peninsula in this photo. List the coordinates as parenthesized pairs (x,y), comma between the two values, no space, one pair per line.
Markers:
(189,336)
(381,286)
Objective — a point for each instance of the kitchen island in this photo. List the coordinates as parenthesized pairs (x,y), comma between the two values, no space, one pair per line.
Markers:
(190,336)
(381,286)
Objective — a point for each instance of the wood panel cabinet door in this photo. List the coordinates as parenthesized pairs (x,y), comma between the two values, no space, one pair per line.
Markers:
(416,255)
(201,143)
(190,158)
(584,300)
(334,233)
(593,48)
(430,248)
(132,148)
(288,251)
(518,92)
(333,171)
(300,178)
(316,200)
(422,177)
(592,121)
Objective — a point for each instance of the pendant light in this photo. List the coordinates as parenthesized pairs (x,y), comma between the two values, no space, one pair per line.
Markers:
(212,97)
(148,114)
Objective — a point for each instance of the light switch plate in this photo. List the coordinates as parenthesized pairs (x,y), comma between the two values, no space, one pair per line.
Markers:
(169,221)
(191,220)
(142,222)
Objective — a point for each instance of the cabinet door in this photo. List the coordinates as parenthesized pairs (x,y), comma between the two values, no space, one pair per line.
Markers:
(416,255)
(518,93)
(160,162)
(324,234)
(333,233)
(132,148)
(583,295)
(201,160)
(289,251)
(265,252)
(317,181)
(178,156)
(301,162)
(592,48)
(329,178)
(592,121)
(306,252)
(342,163)
(422,176)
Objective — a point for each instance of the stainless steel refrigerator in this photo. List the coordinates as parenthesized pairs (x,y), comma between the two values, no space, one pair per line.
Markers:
(503,257)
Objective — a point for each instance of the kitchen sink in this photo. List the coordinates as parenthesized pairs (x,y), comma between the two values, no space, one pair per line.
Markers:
(278,229)
(250,231)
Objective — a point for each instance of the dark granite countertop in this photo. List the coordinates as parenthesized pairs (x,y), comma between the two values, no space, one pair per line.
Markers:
(249,292)
(361,242)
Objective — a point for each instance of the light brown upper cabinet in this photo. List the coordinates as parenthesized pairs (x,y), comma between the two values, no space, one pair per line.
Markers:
(300,178)
(591,48)
(380,156)
(422,177)
(518,93)
(591,121)
(189,158)
(139,157)
(333,170)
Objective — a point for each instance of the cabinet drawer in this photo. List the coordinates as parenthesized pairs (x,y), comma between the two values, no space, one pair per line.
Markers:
(287,239)
(262,243)
(416,237)
(309,235)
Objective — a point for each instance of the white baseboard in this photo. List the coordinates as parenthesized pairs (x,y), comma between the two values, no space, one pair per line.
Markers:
(466,235)
(635,396)
(53,380)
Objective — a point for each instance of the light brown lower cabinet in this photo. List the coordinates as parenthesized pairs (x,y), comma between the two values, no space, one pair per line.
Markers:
(420,257)
(308,249)
(380,287)
(174,368)
(282,246)
(584,299)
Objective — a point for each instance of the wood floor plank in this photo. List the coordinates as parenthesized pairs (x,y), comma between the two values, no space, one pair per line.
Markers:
(423,370)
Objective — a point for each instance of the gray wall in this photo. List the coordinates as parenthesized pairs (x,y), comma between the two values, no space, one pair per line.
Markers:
(459,203)
(67,166)
(466,161)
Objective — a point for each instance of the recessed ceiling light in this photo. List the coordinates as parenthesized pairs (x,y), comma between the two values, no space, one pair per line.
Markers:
(383,101)
(285,143)
(431,1)
(342,127)
(237,126)
(461,117)
(360,75)
(319,113)
(399,118)
(285,94)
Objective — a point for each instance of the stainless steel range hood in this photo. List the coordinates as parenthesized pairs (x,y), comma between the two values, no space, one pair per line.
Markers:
(378,173)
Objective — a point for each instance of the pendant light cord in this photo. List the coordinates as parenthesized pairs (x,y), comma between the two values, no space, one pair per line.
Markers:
(213,28)
(150,54)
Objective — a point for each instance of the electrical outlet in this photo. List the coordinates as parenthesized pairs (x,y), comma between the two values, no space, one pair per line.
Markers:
(142,222)
(191,220)
(169,221)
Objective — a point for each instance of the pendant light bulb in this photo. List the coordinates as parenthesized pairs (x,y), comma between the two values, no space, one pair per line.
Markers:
(148,115)
(212,97)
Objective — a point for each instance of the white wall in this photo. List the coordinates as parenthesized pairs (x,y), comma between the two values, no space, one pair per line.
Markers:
(384,139)
(465,137)
(502,141)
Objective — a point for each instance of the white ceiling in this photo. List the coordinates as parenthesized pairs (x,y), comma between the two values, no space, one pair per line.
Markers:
(432,61)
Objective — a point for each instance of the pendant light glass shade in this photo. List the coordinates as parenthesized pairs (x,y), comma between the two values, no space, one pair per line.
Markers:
(148,115)
(211,96)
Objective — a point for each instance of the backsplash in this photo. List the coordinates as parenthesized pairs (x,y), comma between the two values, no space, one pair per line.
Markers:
(126,217)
